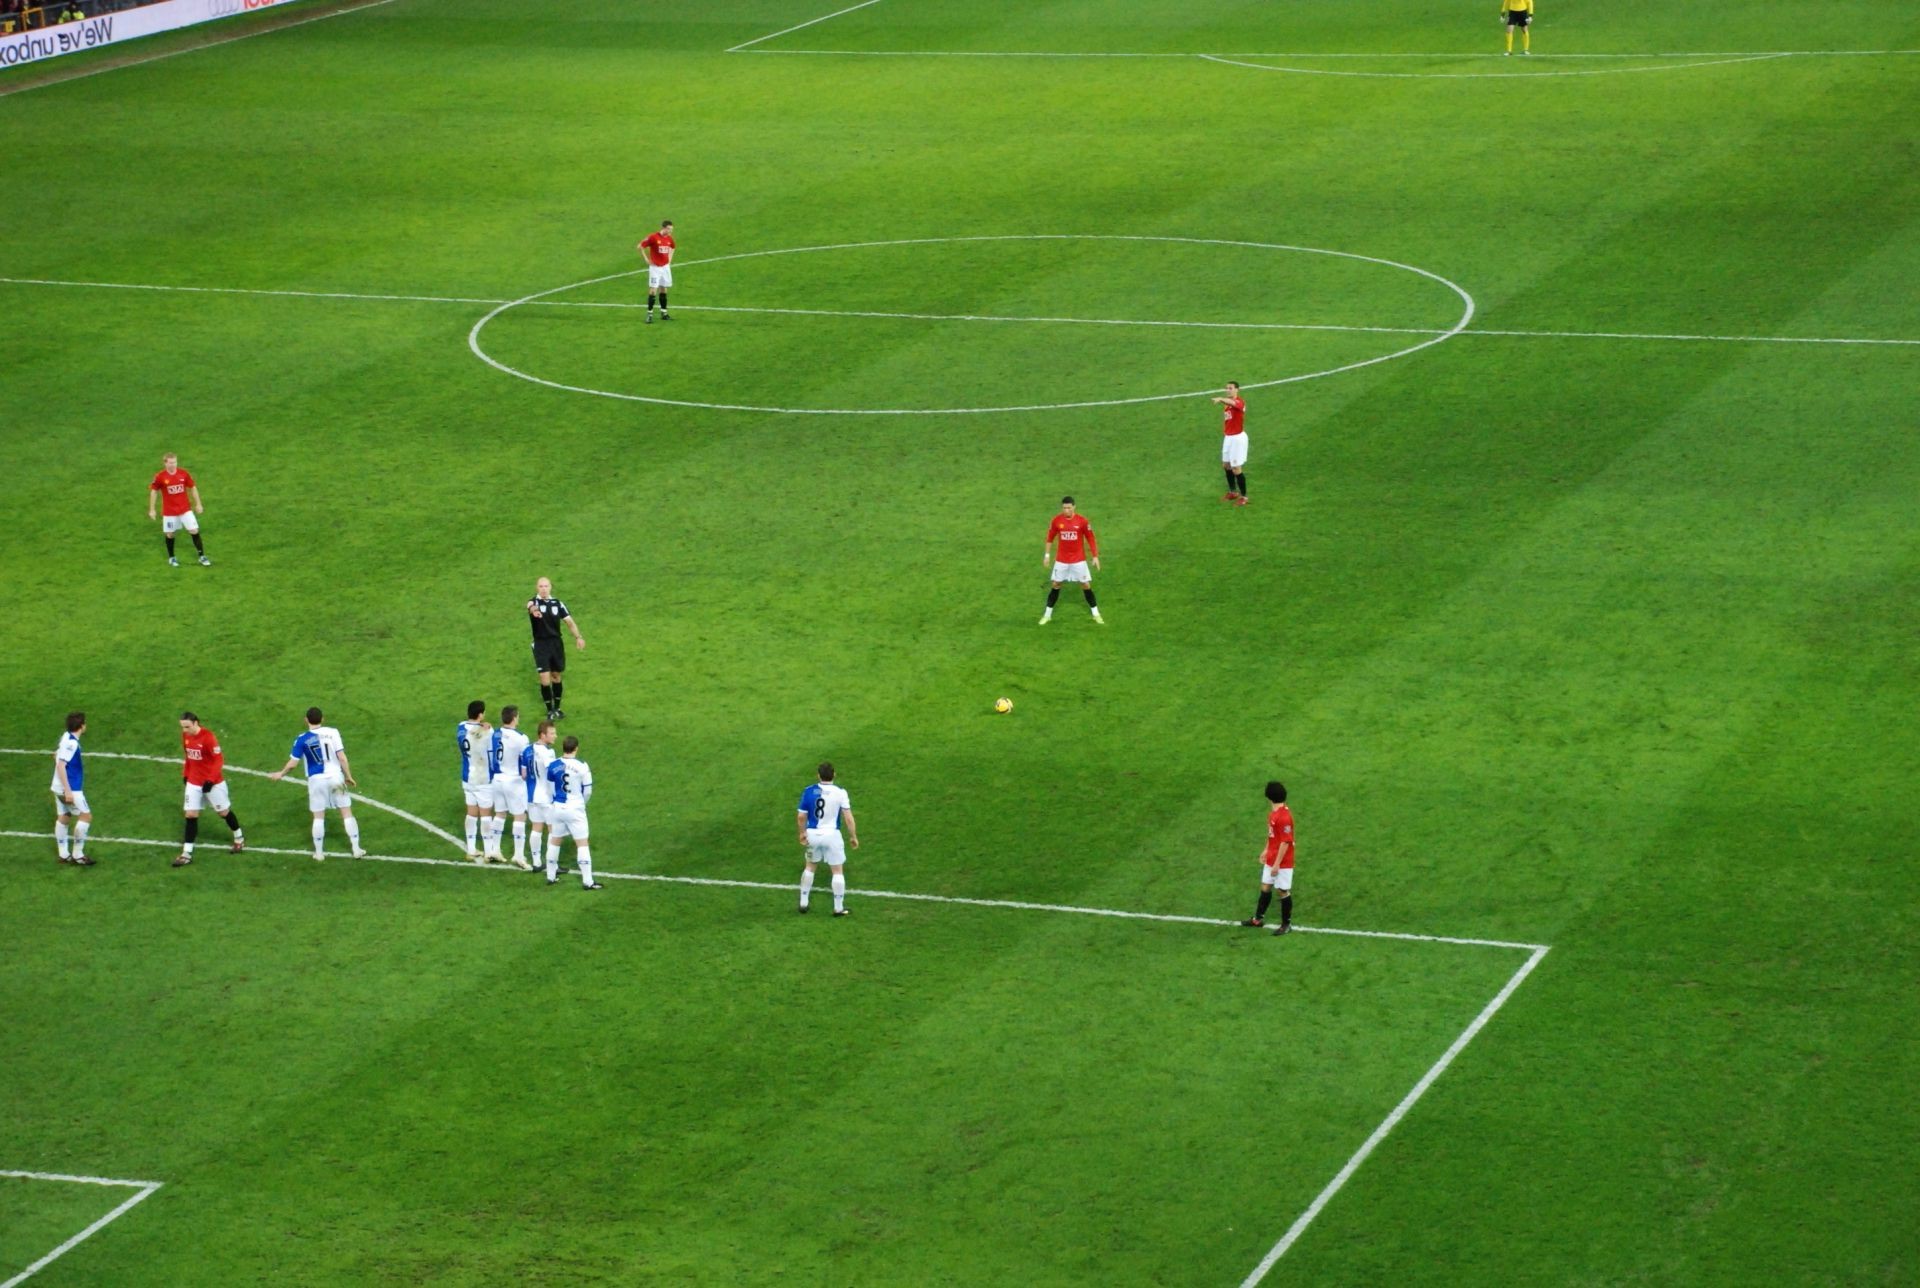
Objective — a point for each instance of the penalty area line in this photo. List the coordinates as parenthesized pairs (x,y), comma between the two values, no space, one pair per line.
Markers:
(799,26)
(914,896)
(143,1190)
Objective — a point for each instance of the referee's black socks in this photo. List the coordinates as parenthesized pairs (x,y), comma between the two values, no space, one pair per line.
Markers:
(558,688)
(546,696)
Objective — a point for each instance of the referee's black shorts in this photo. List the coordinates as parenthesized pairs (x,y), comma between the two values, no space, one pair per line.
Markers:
(1519,18)
(549,655)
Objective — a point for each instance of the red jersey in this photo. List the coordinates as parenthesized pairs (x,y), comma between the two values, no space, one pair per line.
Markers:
(658,248)
(1279,851)
(173,491)
(204,759)
(1236,416)
(1075,536)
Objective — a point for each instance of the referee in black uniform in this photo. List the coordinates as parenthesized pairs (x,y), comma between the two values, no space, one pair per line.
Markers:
(549,650)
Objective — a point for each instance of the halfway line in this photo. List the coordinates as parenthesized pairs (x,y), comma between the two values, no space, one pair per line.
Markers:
(962,317)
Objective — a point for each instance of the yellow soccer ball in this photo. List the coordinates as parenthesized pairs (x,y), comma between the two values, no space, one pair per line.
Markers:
(1003,705)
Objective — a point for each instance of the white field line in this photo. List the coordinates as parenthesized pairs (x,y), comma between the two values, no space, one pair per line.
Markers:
(394,810)
(142,1190)
(800,26)
(963,317)
(1076,53)
(1392,1120)
(789,887)
(1515,75)
(191,49)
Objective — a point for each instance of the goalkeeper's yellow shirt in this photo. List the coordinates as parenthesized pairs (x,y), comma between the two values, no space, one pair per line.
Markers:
(1517,6)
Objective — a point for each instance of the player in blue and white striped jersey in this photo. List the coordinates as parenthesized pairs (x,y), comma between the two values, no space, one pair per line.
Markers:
(474,737)
(534,762)
(509,788)
(572,784)
(324,756)
(69,795)
(822,807)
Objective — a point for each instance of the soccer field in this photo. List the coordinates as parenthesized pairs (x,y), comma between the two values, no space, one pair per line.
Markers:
(1575,603)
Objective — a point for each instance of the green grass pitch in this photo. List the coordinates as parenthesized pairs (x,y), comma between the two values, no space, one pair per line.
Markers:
(1582,623)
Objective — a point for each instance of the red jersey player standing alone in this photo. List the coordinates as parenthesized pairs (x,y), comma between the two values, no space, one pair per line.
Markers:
(179,501)
(1276,863)
(206,785)
(1233,443)
(658,248)
(1069,544)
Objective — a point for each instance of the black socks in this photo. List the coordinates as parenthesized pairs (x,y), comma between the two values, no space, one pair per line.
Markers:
(1286,910)
(546,696)
(1266,899)
(557,687)
(169,546)
(192,832)
(196,542)
(663,301)
(1091,601)
(1053,596)
(649,301)
(232,820)
(1240,481)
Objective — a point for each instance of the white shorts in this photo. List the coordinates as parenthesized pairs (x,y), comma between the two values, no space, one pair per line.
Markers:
(1072,572)
(1280,879)
(826,845)
(510,796)
(480,794)
(659,277)
(79,805)
(327,791)
(1233,450)
(566,820)
(172,523)
(538,812)
(214,798)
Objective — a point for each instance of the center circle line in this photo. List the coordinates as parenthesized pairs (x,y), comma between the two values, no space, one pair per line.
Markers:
(1433,336)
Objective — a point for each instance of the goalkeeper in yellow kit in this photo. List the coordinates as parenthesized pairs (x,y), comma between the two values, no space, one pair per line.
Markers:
(1518,14)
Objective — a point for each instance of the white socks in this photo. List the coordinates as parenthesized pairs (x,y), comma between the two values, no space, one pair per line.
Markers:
(583,860)
(80,831)
(839,891)
(806,886)
(519,840)
(473,834)
(60,835)
(353,832)
(490,828)
(553,858)
(319,835)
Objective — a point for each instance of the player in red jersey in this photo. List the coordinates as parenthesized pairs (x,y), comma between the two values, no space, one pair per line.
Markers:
(1276,863)
(1070,542)
(1233,443)
(205,774)
(658,248)
(179,502)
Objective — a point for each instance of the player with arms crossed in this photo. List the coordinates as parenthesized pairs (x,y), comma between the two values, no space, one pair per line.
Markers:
(1518,15)
(1070,542)
(204,771)
(328,776)
(510,748)
(572,784)
(823,807)
(474,737)
(1233,443)
(69,800)
(179,501)
(1276,863)
(658,248)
